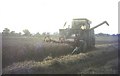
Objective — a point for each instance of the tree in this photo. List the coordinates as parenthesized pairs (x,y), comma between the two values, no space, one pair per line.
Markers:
(6,31)
(44,33)
(37,34)
(26,32)
(19,33)
(12,32)
(48,33)
(100,34)
(55,33)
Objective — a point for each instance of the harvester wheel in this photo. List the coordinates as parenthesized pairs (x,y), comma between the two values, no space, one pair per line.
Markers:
(84,46)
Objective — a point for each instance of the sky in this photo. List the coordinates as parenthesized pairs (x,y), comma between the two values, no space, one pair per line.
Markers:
(50,15)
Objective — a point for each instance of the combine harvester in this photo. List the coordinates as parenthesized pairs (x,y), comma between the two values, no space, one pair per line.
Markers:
(79,35)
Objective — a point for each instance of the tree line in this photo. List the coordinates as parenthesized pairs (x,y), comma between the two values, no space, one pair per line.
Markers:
(26,32)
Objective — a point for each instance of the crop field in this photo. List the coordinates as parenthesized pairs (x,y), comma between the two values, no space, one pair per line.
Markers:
(33,56)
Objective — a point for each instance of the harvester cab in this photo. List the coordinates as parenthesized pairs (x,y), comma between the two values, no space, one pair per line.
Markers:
(81,24)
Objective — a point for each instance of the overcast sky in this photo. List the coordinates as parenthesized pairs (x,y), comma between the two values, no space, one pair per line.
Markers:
(50,15)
